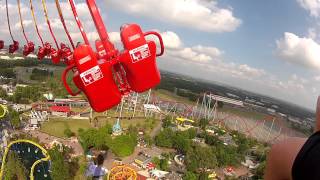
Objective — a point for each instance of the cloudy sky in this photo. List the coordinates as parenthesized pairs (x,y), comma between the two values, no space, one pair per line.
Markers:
(269,47)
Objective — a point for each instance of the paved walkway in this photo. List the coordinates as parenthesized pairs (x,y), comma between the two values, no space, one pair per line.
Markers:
(47,139)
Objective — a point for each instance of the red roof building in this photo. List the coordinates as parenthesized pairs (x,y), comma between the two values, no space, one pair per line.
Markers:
(64,111)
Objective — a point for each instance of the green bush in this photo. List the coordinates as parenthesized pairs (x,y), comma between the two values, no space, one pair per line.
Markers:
(67,132)
(190,176)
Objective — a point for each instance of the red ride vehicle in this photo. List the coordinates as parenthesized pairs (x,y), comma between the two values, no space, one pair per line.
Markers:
(44,51)
(1,44)
(28,48)
(13,47)
(96,81)
(139,58)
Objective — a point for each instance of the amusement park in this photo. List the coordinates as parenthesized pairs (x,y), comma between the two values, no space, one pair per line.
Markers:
(96,106)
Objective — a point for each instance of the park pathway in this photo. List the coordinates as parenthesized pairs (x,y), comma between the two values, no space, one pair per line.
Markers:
(47,139)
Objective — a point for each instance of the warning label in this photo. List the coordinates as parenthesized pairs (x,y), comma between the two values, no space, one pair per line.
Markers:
(92,75)
(140,53)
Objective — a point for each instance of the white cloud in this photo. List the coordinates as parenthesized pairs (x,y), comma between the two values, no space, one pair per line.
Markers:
(194,14)
(313,6)
(200,58)
(312,33)
(299,50)
(171,39)
(114,37)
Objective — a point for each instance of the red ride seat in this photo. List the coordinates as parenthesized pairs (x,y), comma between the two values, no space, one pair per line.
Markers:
(28,48)
(55,56)
(13,47)
(96,79)
(41,53)
(44,51)
(66,54)
(31,46)
(1,44)
(139,58)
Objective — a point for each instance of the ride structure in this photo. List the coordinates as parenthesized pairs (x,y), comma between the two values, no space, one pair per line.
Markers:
(108,74)
(15,44)
(65,51)
(29,47)
(122,172)
(54,53)
(95,74)
(45,49)
(36,158)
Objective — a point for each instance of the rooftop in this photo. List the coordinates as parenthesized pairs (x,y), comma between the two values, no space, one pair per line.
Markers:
(60,108)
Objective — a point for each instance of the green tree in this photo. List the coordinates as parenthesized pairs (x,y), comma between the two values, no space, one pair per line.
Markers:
(203,123)
(200,158)
(190,176)
(14,118)
(203,176)
(3,93)
(161,164)
(259,172)
(94,137)
(227,155)
(181,143)
(107,128)
(68,133)
(212,140)
(192,133)
(148,140)
(59,167)
(165,138)
(164,166)
(14,169)
(166,122)
(26,94)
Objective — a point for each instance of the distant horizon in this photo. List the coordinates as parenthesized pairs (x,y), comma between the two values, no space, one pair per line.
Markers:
(239,88)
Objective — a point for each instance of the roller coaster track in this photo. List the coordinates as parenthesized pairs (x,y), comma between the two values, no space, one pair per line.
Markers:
(5,111)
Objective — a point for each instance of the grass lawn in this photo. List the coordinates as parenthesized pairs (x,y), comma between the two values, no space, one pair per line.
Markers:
(146,124)
(57,126)
(244,113)
(169,96)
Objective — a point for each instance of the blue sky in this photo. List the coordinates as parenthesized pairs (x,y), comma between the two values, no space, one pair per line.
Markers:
(269,47)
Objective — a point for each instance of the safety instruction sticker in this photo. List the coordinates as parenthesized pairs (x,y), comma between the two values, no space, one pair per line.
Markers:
(140,53)
(92,75)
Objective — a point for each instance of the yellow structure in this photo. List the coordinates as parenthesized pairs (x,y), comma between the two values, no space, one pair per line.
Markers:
(45,153)
(122,172)
(184,124)
(213,176)
(3,111)
(183,121)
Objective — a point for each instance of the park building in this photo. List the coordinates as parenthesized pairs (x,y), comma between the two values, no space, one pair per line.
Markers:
(72,103)
(62,111)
